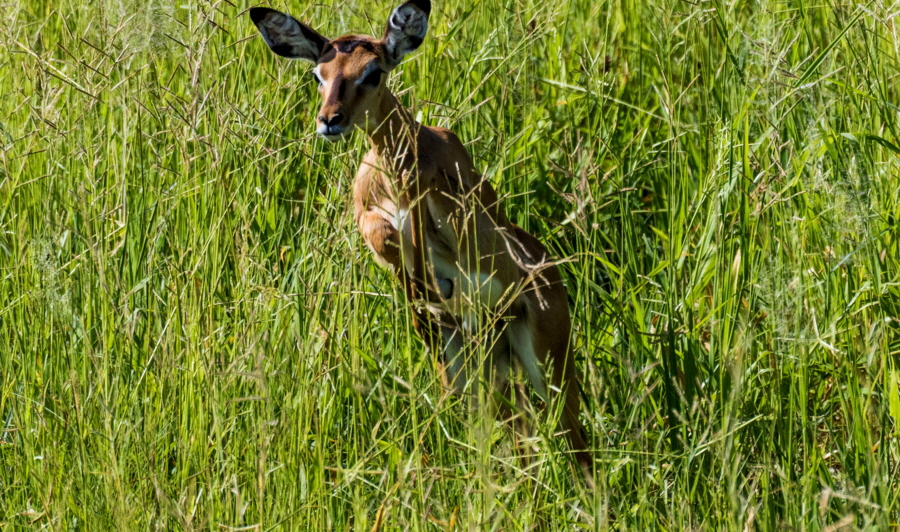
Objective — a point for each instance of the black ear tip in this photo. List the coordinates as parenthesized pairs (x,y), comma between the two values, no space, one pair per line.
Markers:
(424,5)
(257,14)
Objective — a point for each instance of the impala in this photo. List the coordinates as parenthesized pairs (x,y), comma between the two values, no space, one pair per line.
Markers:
(471,276)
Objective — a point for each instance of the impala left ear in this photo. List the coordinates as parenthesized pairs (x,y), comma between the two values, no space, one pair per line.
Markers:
(286,36)
(406,29)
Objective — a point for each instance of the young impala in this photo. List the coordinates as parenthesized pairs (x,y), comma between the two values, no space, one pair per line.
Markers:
(427,214)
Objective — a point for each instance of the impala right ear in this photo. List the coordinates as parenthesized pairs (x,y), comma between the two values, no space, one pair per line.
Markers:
(406,29)
(287,37)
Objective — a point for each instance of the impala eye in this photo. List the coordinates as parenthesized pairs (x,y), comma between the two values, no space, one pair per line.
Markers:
(317,78)
(373,79)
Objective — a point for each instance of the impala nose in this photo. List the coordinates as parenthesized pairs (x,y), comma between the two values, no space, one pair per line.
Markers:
(331,125)
(333,121)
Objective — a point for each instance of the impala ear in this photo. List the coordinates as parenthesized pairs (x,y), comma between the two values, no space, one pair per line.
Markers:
(287,37)
(406,29)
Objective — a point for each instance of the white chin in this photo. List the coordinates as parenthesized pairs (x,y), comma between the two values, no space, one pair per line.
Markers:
(332,138)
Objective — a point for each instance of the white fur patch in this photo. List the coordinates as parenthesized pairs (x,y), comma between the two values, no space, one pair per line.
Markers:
(472,292)
(485,287)
(399,219)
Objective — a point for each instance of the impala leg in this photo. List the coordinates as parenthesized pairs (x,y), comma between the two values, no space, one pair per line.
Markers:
(518,420)
(529,343)
(460,353)
(451,362)
(384,241)
(501,375)
(565,379)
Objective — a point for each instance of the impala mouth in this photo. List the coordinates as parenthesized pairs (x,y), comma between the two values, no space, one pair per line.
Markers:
(333,133)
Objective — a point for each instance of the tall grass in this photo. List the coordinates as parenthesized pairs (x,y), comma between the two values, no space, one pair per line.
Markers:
(194,336)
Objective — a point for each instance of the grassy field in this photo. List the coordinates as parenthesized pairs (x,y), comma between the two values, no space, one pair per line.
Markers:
(193,335)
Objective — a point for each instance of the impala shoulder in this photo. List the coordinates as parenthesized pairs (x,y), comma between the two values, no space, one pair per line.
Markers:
(368,165)
(452,157)
(448,138)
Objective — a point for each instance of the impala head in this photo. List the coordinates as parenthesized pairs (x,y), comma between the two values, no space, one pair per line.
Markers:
(350,70)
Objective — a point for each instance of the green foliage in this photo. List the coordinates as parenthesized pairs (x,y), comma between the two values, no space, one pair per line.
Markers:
(194,336)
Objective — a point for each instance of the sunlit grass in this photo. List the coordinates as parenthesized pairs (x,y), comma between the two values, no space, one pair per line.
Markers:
(194,336)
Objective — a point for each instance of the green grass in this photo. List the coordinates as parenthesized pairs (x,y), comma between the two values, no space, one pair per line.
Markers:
(194,336)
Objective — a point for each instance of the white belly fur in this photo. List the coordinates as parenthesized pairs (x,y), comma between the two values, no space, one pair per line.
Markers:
(399,219)
(472,291)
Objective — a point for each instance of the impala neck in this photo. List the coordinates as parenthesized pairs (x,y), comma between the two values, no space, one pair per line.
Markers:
(395,132)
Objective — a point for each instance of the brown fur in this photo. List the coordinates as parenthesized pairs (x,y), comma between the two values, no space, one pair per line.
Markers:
(455,232)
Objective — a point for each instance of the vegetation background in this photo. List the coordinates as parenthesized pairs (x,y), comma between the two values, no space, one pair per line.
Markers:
(194,337)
